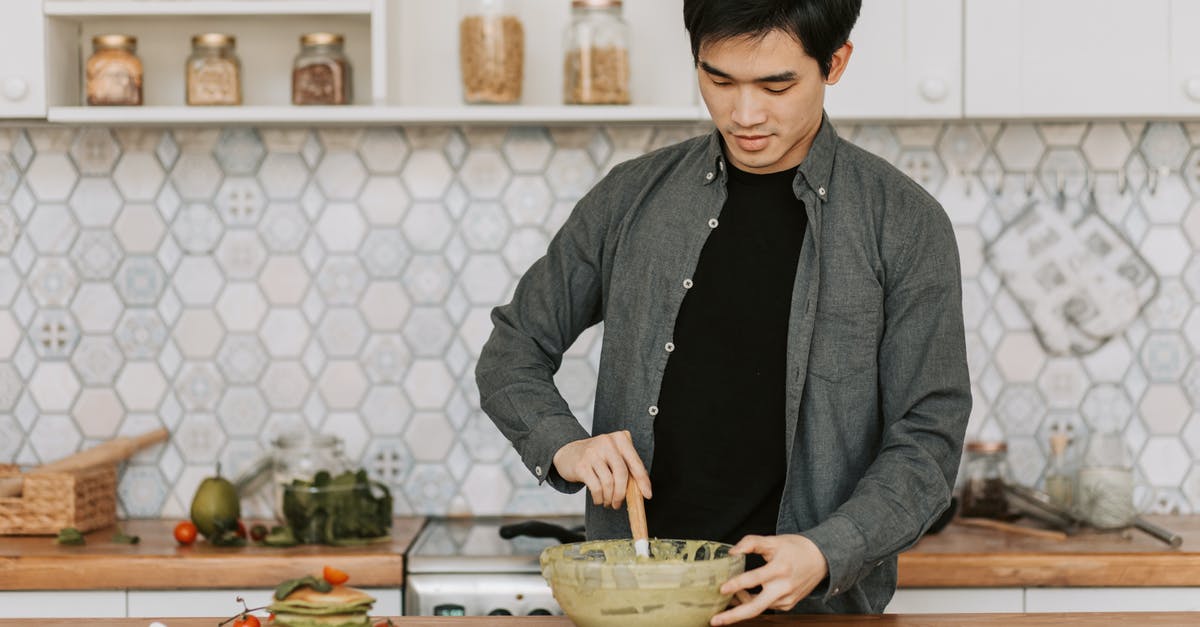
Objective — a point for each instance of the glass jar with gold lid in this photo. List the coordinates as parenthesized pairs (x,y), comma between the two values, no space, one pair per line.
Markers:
(321,72)
(986,474)
(214,71)
(114,72)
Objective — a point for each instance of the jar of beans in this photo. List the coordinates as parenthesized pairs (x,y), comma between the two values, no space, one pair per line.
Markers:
(321,72)
(596,67)
(491,42)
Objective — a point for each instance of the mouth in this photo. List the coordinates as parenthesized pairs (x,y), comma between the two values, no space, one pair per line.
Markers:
(751,143)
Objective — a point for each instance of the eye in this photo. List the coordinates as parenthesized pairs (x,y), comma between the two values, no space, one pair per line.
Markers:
(720,83)
(777,91)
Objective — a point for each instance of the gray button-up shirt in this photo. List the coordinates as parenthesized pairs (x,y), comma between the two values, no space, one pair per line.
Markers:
(878,394)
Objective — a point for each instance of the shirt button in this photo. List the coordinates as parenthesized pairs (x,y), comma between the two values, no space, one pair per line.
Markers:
(709,176)
(837,590)
(670,347)
(712,223)
(687,284)
(537,470)
(653,410)
(821,192)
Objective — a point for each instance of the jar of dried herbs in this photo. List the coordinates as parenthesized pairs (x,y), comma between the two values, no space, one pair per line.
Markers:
(596,67)
(213,71)
(491,42)
(321,72)
(114,72)
(985,476)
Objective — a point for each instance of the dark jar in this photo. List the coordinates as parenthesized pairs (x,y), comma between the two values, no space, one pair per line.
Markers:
(985,475)
(321,72)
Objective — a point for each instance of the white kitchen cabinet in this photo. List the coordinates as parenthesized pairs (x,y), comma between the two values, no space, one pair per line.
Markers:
(1183,87)
(63,604)
(907,62)
(1112,600)
(22,60)
(1079,58)
(956,600)
(205,603)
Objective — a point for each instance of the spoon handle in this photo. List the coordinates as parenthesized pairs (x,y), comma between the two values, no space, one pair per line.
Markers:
(637,518)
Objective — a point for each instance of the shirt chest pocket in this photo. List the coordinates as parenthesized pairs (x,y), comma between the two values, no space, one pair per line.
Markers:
(845,344)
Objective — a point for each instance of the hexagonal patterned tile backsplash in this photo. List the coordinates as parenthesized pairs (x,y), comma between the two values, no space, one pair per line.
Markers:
(232,284)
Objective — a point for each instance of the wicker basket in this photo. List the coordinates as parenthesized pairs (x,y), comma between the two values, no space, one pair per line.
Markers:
(84,499)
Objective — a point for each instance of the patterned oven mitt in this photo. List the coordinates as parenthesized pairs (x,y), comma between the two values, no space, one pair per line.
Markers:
(1080,282)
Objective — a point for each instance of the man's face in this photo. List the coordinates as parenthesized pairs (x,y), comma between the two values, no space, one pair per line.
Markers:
(766,96)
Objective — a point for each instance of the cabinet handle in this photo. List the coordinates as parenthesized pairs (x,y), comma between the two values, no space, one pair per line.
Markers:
(934,90)
(1191,87)
(15,89)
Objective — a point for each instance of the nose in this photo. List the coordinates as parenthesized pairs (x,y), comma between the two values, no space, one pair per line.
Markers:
(748,111)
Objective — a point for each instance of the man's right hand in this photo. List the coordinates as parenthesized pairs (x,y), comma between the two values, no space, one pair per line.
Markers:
(604,464)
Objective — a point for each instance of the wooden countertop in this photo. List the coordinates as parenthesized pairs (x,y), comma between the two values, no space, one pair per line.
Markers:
(957,557)
(962,556)
(158,562)
(1096,619)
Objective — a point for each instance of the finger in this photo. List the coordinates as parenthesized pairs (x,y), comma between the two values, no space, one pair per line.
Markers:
(743,597)
(620,478)
(749,579)
(592,482)
(604,475)
(633,462)
(752,544)
(753,607)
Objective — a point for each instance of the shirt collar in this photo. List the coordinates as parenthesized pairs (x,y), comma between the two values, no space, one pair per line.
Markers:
(815,170)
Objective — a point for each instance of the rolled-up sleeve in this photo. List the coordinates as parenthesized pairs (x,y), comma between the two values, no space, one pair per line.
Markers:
(925,400)
(559,297)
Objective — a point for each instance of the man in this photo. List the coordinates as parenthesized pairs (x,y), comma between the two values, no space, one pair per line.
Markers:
(783,340)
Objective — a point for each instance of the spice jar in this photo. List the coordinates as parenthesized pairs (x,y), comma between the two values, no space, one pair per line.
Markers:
(301,456)
(113,72)
(1105,482)
(985,473)
(596,66)
(213,71)
(321,72)
(491,42)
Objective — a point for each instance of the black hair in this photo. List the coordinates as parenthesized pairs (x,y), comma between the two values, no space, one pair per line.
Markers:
(821,26)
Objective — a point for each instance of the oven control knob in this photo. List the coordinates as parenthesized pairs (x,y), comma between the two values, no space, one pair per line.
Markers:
(540,612)
(449,609)
(500,612)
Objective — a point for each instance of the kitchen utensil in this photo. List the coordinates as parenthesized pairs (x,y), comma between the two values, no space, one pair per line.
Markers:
(1042,506)
(110,452)
(637,518)
(603,583)
(988,523)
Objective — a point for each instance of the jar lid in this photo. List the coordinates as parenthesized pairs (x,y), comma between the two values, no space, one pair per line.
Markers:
(321,39)
(977,446)
(306,440)
(595,4)
(114,41)
(213,40)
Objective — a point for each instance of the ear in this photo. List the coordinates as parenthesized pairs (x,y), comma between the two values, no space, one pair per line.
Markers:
(837,65)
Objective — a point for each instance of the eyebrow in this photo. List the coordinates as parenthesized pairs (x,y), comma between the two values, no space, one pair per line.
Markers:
(781,77)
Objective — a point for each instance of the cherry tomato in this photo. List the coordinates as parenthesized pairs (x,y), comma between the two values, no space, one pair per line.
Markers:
(258,532)
(185,532)
(247,620)
(241,530)
(335,576)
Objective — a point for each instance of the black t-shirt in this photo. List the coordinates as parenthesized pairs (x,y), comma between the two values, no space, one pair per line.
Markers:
(719,454)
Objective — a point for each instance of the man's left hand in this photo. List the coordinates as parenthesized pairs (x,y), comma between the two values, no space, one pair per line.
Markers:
(794,567)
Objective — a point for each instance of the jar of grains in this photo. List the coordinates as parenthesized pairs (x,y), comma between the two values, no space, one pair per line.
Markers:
(491,44)
(213,71)
(113,72)
(321,72)
(596,67)
(985,475)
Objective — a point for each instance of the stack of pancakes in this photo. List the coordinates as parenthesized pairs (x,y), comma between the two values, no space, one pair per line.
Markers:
(340,607)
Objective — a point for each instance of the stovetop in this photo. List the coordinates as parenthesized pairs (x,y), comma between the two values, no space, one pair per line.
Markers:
(474,545)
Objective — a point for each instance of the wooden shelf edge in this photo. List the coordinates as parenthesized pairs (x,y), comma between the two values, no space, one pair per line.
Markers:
(371,114)
(140,8)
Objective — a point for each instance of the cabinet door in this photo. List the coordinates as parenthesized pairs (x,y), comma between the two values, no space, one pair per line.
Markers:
(1052,58)
(1184,86)
(907,62)
(22,60)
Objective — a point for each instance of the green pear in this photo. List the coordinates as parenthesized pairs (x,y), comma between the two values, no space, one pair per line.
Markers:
(215,507)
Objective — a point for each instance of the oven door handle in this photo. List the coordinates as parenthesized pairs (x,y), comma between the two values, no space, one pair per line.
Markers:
(539,529)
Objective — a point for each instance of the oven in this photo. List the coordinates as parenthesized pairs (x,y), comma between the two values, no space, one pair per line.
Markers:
(483,566)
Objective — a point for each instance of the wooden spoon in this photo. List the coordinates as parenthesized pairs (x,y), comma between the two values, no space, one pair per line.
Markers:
(637,518)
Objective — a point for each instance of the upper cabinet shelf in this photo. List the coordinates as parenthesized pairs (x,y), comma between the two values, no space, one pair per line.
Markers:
(134,8)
